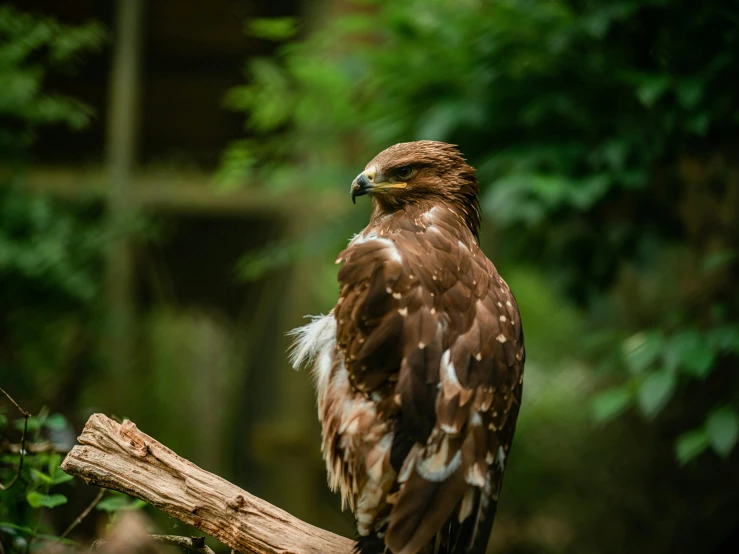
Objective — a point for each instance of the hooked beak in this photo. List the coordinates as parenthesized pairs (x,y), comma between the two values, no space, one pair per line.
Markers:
(361,186)
(365,184)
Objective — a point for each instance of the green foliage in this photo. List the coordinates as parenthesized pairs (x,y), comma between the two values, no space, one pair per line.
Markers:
(722,428)
(29,46)
(599,131)
(50,251)
(720,432)
(38,500)
(690,445)
(657,363)
(119,502)
(46,246)
(49,261)
(38,486)
(611,403)
(277,28)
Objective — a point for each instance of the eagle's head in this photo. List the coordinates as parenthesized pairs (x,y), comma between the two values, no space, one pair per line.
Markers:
(425,172)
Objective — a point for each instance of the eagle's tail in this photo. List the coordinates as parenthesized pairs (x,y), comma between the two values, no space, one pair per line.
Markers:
(469,537)
(472,535)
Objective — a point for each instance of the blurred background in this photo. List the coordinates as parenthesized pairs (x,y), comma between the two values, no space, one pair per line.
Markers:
(174,181)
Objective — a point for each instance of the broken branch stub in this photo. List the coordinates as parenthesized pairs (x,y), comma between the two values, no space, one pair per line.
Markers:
(123,458)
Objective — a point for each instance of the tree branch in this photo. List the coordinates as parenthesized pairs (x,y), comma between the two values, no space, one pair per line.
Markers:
(120,457)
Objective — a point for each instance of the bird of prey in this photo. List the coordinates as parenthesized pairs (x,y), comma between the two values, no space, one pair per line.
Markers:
(418,368)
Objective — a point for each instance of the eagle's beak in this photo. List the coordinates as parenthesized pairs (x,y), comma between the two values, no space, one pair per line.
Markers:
(361,186)
(365,183)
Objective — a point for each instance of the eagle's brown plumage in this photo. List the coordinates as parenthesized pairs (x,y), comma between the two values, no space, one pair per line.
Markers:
(419,366)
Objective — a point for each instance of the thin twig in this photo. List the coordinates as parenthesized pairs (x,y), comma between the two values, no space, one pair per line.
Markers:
(26,415)
(191,544)
(21,410)
(84,514)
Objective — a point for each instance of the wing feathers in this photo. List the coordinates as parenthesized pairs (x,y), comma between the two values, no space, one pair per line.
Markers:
(428,331)
(421,511)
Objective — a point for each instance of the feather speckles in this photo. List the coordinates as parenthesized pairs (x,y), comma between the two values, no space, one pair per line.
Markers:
(441,464)
(500,458)
(419,366)
(475,476)
(449,382)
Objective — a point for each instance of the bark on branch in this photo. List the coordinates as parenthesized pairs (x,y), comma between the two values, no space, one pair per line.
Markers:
(120,457)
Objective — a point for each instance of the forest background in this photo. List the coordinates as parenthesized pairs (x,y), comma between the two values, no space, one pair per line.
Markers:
(174,185)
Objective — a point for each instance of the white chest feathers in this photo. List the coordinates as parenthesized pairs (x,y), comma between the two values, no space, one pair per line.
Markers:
(316,342)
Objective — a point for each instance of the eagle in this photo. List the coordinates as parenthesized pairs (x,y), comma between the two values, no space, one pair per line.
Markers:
(418,368)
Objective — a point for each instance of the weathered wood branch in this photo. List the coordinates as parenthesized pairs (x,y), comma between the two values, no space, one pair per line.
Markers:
(121,457)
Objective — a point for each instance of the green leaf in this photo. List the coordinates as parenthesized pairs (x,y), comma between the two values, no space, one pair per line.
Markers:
(53,463)
(19,528)
(58,476)
(38,500)
(56,422)
(698,361)
(718,260)
(120,502)
(699,123)
(690,351)
(725,339)
(722,428)
(690,445)
(655,391)
(40,476)
(651,88)
(61,477)
(610,404)
(642,350)
(689,92)
(34,424)
(272,28)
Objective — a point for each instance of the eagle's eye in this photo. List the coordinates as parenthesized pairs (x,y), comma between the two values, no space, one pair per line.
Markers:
(404,172)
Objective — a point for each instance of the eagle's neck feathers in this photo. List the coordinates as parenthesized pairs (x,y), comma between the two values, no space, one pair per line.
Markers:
(460,218)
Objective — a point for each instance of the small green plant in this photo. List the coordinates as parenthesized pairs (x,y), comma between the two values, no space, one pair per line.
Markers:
(32,482)
(35,487)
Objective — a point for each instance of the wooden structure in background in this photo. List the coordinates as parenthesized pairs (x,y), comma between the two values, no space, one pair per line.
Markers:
(121,156)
